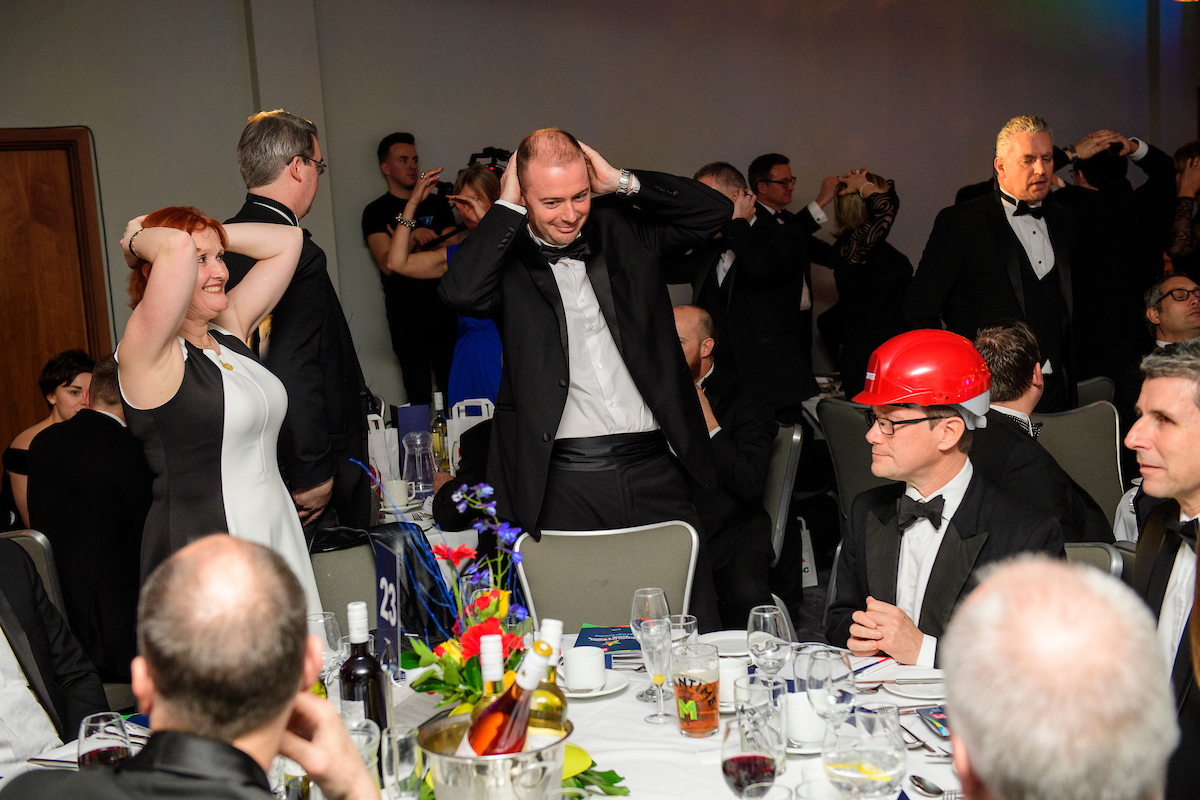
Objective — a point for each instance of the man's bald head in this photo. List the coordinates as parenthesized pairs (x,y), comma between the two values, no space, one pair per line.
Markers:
(1056,686)
(551,147)
(221,625)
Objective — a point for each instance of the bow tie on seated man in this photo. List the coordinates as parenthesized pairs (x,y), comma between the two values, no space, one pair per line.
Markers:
(914,547)
(577,250)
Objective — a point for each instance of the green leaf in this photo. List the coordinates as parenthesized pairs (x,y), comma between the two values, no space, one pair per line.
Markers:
(409,659)
(451,673)
(472,674)
(422,650)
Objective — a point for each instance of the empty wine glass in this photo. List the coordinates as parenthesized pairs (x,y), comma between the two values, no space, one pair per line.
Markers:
(864,754)
(325,626)
(746,758)
(649,604)
(683,629)
(656,651)
(401,764)
(767,639)
(830,684)
(103,740)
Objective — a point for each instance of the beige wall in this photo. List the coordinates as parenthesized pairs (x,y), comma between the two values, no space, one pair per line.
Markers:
(915,90)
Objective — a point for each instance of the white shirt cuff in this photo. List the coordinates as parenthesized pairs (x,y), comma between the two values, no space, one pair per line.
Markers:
(928,652)
(714,431)
(635,185)
(1140,153)
(817,214)
(513,206)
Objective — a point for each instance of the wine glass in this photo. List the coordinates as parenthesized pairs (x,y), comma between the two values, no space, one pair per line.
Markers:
(746,758)
(325,626)
(830,684)
(103,740)
(864,754)
(767,639)
(767,791)
(683,629)
(648,604)
(400,767)
(656,651)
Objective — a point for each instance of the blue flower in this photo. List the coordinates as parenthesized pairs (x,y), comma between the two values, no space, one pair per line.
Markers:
(507,533)
(490,509)
(482,576)
(457,496)
(480,525)
(461,504)
(519,612)
(517,558)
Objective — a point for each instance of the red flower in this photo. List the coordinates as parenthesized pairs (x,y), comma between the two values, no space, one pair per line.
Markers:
(470,639)
(458,555)
(482,602)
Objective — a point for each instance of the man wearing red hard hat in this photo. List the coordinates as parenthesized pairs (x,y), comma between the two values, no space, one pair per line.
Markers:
(913,548)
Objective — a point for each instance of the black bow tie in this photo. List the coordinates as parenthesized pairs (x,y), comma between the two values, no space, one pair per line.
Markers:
(1185,530)
(909,511)
(1024,208)
(577,250)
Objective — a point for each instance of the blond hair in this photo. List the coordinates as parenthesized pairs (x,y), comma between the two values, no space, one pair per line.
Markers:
(1016,125)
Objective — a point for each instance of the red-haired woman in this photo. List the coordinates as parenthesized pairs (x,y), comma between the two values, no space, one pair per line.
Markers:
(207,413)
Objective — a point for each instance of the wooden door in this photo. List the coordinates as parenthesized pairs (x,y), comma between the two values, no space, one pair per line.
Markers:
(52,288)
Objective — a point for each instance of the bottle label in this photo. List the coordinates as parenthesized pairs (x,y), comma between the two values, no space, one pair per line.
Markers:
(353,711)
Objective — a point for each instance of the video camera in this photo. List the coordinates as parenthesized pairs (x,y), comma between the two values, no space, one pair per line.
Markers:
(493,155)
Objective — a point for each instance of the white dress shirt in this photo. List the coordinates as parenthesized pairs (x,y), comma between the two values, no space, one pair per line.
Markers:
(1177,602)
(25,729)
(919,547)
(602,398)
(1034,236)
(700,383)
(726,259)
(1019,416)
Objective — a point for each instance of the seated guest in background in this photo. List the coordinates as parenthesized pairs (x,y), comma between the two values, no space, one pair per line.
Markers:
(47,684)
(747,278)
(1006,451)
(472,466)
(89,491)
(475,372)
(64,383)
(223,672)
(1173,309)
(1166,438)
(1056,689)
(742,427)
(870,274)
(1184,246)
(913,548)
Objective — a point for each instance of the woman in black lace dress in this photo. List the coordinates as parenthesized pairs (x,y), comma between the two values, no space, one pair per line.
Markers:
(1184,248)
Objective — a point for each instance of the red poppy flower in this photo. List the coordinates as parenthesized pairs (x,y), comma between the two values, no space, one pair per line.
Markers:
(470,639)
(456,556)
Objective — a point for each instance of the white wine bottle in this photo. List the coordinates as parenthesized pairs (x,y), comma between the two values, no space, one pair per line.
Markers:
(502,727)
(364,694)
(441,444)
(491,665)
(548,708)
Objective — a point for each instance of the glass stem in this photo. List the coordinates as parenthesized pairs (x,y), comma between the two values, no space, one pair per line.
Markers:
(660,699)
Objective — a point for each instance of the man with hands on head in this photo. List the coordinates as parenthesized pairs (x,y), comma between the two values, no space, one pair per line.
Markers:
(913,548)
(597,423)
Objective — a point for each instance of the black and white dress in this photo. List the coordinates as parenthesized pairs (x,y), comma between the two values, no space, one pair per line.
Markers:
(212,451)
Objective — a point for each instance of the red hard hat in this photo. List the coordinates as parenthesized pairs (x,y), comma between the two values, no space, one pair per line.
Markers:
(927,368)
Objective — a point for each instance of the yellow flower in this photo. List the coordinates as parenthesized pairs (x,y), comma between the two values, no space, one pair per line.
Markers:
(450,649)
(503,612)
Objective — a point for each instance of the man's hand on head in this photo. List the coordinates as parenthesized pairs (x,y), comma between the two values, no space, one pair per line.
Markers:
(743,206)
(510,185)
(605,178)
(890,630)
(1093,143)
(828,190)
(317,740)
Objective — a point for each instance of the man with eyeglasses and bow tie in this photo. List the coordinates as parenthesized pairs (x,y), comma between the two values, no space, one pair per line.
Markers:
(1166,438)
(1006,255)
(913,548)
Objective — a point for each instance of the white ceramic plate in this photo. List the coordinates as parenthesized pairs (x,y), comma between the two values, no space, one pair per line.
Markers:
(730,644)
(613,682)
(918,691)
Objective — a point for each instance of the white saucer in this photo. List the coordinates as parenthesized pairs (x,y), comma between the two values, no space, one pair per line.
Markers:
(613,682)
(811,750)
(730,644)
(918,691)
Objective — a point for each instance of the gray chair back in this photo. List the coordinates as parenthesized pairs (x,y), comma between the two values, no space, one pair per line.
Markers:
(1101,555)
(1093,390)
(846,430)
(1086,444)
(1128,551)
(590,576)
(781,477)
(832,591)
(38,547)
(344,576)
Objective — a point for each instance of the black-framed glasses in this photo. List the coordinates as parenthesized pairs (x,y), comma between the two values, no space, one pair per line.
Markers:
(321,165)
(888,426)
(788,182)
(1182,294)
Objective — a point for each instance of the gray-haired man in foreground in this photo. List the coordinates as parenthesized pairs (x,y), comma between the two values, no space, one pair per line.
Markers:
(1056,687)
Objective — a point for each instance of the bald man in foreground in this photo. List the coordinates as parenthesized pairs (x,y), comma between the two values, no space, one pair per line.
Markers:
(225,664)
(1056,688)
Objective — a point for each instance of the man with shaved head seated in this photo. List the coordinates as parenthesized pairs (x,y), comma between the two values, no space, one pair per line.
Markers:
(223,672)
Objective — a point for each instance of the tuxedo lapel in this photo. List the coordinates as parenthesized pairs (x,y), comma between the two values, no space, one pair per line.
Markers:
(1062,259)
(1008,249)
(710,256)
(882,543)
(19,643)
(543,279)
(1155,557)
(954,563)
(597,272)
(1181,674)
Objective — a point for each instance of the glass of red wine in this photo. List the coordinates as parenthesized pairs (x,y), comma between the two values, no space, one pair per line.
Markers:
(745,757)
(103,740)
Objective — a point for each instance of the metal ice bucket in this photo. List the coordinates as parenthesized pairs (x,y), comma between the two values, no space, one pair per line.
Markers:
(518,776)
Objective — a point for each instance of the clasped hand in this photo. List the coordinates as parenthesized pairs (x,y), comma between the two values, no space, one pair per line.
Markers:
(884,628)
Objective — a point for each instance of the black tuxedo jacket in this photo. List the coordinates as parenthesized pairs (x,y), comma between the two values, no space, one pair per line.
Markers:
(59,674)
(498,273)
(1152,567)
(89,492)
(970,272)
(1018,466)
(310,349)
(756,307)
(988,526)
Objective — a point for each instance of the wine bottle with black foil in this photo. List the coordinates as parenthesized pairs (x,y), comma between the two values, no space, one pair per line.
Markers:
(364,693)
(441,444)
(501,729)
(491,667)
(548,708)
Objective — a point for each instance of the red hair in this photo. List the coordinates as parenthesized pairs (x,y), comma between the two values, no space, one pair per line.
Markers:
(184,218)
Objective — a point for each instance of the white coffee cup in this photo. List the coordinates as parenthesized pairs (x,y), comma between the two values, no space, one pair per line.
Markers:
(398,492)
(584,667)
(731,669)
(805,728)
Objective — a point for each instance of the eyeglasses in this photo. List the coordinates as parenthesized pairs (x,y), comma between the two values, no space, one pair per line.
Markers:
(788,182)
(320,165)
(888,426)
(1182,294)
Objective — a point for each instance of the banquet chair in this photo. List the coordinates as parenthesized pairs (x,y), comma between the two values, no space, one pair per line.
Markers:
(462,419)
(344,576)
(846,430)
(1128,551)
(832,591)
(38,547)
(590,576)
(1093,390)
(781,477)
(1086,443)
(1101,555)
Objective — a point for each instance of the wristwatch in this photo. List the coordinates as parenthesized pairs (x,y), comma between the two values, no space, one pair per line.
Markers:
(411,224)
(623,186)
